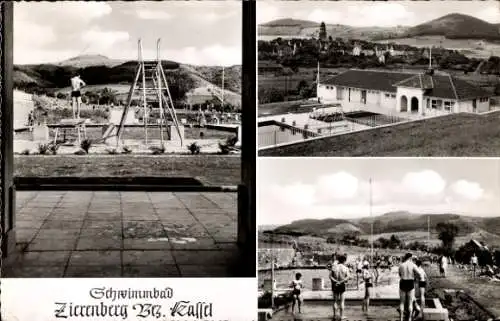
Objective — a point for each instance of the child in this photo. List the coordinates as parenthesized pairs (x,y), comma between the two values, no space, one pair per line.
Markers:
(368,279)
(296,287)
(421,281)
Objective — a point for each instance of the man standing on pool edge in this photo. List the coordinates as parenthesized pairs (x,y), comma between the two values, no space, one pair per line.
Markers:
(339,276)
(408,272)
(76,96)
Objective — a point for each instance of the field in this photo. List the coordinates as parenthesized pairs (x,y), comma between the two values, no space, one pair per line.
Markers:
(209,169)
(468,46)
(454,135)
(491,239)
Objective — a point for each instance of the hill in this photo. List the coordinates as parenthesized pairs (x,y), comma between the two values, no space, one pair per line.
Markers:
(457,26)
(99,71)
(84,61)
(453,26)
(391,223)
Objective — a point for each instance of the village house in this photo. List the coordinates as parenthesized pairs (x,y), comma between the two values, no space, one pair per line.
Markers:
(421,93)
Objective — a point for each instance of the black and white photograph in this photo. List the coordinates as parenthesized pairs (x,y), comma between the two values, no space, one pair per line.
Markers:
(379,239)
(126,136)
(378,78)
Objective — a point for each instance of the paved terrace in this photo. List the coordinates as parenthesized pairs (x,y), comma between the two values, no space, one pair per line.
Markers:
(125,234)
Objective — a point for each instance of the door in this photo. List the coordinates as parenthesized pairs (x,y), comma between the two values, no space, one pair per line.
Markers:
(474,106)
(363,96)
(349,98)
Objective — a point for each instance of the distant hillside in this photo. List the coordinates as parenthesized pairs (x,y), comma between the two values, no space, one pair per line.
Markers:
(451,26)
(289,28)
(84,61)
(458,26)
(394,222)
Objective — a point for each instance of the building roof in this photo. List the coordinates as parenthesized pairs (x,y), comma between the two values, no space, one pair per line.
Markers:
(368,79)
(439,86)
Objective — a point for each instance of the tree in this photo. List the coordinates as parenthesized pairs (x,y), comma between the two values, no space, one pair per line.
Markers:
(322,31)
(447,233)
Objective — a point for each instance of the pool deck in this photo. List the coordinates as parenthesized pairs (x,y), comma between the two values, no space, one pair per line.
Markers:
(125,234)
(322,311)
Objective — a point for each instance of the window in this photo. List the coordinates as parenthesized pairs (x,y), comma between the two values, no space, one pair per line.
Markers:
(340,93)
(483,100)
(387,95)
(448,105)
(393,96)
(437,104)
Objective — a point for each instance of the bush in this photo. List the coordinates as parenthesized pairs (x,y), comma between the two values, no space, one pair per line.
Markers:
(43,149)
(53,148)
(194,148)
(157,150)
(25,152)
(228,145)
(85,145)
(112,151)
(126,150)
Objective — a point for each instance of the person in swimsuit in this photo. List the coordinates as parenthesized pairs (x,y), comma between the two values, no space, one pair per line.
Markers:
(296,289)
(408,271)
(368,279)
(421,281)
(339,276)
(359,271)
(76,96)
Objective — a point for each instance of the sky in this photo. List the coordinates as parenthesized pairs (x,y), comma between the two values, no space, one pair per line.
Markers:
(375,13)
(290,189)
(194,32)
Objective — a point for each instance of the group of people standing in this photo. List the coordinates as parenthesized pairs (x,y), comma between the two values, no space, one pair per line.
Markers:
(412,285)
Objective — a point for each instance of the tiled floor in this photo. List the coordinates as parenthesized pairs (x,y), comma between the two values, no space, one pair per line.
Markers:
(126,234)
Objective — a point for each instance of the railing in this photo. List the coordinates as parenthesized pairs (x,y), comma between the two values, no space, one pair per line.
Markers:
(285,134)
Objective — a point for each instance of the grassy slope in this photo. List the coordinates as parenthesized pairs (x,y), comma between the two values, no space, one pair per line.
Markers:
(210,169)
(458,135)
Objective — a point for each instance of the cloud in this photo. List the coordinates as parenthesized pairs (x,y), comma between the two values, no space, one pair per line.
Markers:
(100,40)
(147,14)
(327,16)
(424,183)
(267,11)
(295,194)
(29,34)
(341,185)
(490,14)
(469,190)
(74,11)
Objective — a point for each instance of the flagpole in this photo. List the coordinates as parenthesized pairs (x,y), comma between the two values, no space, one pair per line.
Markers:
(272,271)
(371,223)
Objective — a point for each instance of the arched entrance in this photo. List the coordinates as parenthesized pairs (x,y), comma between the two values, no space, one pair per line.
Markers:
(404,103)
(414,105)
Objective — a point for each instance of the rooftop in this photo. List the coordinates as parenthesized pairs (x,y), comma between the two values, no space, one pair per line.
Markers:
(125,234)
(437,85)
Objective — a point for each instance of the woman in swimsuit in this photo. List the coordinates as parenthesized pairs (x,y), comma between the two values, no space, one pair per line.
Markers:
(296,288)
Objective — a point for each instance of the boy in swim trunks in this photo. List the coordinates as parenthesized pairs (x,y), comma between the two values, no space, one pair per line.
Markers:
(339,276)
(296,289)
(408,271)
(76,96)
(368,279)
(421,282)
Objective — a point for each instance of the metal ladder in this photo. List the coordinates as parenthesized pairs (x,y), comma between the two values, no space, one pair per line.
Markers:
(150,84)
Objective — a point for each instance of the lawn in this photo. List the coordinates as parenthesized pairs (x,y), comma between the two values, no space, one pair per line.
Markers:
(457,135)
(484,292)
(209,169)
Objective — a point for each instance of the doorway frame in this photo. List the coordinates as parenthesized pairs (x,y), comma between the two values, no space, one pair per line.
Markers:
(246,221)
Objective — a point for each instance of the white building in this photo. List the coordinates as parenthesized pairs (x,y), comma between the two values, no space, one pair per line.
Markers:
(422,93)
